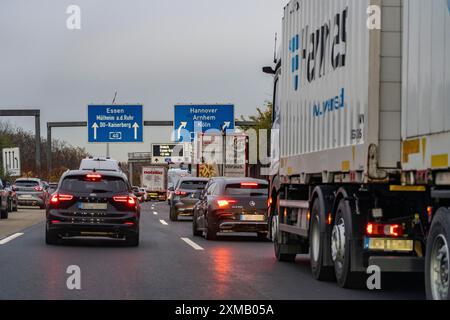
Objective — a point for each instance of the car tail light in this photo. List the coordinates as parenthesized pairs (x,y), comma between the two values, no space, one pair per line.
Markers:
(223,203)
(180,193)
(384,230)
(56,198)
(94,176)
(249,185)
(38,188)
(125,199)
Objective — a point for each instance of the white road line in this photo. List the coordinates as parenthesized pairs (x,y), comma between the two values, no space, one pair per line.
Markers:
(192,244)
(163,222)
(155,213)
(12,237)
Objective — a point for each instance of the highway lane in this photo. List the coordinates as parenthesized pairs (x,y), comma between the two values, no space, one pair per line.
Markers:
(170,264)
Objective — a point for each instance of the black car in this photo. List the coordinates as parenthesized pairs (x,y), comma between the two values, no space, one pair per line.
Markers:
(185,197)
(232,205)
(4,195)
(92,204)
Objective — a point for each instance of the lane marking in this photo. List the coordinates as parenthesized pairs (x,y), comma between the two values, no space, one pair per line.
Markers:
(155,213)
(12,237)
(163,222)
(192,244)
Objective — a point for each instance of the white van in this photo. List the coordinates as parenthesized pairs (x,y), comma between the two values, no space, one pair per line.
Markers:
(100,164)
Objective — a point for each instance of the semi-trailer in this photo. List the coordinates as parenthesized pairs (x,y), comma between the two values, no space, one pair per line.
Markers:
(361,116)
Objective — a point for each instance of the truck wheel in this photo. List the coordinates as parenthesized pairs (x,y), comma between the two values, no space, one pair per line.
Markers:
(51,238)
(341,249)
(437,257)
(318,247)
(279,246)
(173,214)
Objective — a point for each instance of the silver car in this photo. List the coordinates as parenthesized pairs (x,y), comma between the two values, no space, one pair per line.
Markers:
(30,192)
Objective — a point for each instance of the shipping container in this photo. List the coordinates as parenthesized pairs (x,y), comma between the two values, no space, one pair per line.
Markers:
(361,116)
(426,86)
(218,155)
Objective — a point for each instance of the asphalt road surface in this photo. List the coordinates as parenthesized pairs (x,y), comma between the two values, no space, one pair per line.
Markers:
(170,264)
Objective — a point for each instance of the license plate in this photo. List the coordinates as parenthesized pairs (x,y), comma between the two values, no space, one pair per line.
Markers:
(253,217)
(25,196)
(381,244)
(93,206)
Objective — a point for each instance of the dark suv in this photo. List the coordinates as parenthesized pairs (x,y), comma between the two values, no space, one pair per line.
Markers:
(92,204)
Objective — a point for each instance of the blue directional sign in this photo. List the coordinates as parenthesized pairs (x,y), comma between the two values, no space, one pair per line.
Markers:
(115,123)
(201,118)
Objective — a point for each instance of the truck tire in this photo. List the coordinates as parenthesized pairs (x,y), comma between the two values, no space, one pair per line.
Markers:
(437,257)
(318,246)
(51,238)
(341,247)
(279,246)
(173,215)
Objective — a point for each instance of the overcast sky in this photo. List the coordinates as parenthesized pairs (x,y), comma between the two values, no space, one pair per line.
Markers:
(155,52)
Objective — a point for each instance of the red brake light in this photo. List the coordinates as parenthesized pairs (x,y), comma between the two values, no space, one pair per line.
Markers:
(56,198)
(38,188)
(94,176)
(225,203)
(180,193)
(386,230)
(249,185)
(125,199)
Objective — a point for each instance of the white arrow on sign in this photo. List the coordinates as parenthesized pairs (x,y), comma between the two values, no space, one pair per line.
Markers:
(226,125)
(183,126)
(95,126)
(136,127)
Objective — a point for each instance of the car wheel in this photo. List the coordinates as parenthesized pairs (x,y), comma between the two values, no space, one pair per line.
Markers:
(438,258)
(133,240)
(210,232)
(262,236)
(341,247)
(195,231)
(51,238)
(4,213)
(173,214)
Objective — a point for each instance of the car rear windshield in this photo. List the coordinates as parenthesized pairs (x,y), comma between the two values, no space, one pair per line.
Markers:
(105,185)
(193,185)
(27,183)
(252,190)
